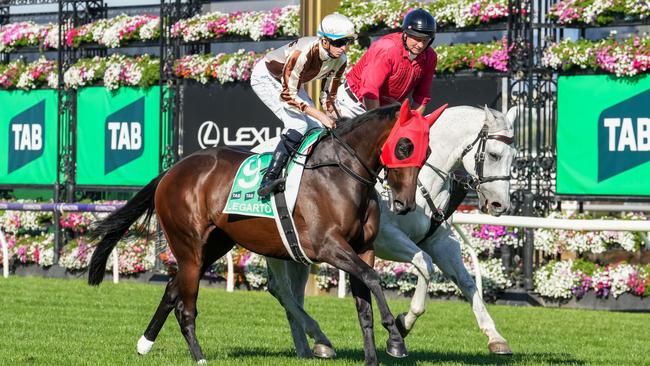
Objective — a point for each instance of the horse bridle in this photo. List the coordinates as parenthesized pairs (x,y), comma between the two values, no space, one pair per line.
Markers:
(468,181)
(349,171)
(479,157)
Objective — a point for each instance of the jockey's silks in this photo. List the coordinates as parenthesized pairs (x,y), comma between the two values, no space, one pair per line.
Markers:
(412,126)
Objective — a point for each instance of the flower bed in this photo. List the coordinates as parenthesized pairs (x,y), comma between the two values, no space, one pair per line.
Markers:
(623,58)
(403,277)
(28,34)
(30,239)
(453,58)
(119,70)
(115,32)
(279,22)
(563,280)
(557,241)
(369,16)
(114,71)
(123,29)
(473,56)
(19,75)
(598,12)
(38,74)
(222,67)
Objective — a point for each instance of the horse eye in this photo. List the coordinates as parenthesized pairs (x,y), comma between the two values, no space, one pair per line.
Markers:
(404,148)
(494,156)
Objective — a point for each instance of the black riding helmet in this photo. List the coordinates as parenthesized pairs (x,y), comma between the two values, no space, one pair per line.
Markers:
(420,23)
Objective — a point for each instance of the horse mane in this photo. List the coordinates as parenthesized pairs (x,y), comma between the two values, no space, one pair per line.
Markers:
(345,125)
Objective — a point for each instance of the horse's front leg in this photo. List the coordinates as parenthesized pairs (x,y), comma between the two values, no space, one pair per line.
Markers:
(393,244)
(363,302)
(341,255)
(445,251)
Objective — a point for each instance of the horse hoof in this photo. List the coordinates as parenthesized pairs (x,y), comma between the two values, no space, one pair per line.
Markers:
(323,351)
(499,348)
(202,362)
(144,346)
(400,322)
(397,350)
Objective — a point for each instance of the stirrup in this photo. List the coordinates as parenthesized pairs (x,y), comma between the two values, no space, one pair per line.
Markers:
(276,185)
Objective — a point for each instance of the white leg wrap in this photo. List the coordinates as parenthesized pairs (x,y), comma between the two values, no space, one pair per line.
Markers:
(144,345)
(202,362)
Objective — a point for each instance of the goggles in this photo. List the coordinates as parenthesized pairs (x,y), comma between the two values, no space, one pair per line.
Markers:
(338,43)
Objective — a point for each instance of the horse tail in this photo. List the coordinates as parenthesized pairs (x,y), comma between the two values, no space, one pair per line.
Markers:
(113,227)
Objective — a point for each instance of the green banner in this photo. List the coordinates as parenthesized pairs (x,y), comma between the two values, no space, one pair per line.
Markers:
(117,136)
(28,131)
(603,135)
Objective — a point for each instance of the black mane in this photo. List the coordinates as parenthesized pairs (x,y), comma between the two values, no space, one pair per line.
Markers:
(345,125)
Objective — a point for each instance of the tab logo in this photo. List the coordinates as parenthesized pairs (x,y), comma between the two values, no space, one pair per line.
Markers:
(624,136)
(26,136)
(124,136)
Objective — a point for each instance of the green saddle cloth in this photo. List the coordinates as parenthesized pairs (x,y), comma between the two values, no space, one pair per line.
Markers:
(243,198)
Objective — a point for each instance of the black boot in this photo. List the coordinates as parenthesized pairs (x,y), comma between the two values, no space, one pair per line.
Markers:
(272,182)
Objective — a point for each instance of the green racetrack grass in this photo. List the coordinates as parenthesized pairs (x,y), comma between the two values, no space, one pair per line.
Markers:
(66,322)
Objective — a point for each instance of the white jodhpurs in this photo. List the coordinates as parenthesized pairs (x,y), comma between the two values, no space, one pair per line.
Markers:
(347,107)
(268,89)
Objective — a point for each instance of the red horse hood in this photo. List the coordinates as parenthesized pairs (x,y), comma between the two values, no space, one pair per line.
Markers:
(411,135)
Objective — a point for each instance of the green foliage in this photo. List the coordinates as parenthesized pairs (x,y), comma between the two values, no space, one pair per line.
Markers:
(584,266)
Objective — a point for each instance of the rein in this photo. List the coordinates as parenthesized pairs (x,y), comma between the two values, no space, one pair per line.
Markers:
(349,171)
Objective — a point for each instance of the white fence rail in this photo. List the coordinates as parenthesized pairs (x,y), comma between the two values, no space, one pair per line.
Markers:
(457,219)
(530,222)
(559,224)
(5,254)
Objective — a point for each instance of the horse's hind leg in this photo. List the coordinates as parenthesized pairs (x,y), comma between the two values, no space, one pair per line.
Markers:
(190,257)
(287,284)
(322,346)
(168,302)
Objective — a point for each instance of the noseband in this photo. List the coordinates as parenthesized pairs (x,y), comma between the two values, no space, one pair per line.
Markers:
(479,157)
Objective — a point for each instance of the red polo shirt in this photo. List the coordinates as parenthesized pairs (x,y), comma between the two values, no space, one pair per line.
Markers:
(386,73)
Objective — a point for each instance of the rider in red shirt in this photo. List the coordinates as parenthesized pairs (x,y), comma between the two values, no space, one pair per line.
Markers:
(395,66)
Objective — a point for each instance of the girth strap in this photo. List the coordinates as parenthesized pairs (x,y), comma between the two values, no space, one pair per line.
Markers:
(287,229)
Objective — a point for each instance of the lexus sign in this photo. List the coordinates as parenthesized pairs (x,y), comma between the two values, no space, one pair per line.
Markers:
(210,135)
(225,115)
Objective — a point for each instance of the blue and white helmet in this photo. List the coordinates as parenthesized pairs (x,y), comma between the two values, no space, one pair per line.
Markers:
(336,26)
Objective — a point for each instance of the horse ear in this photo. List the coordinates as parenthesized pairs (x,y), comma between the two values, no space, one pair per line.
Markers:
(489,117)
(433,116)
(512,114)
(405,112)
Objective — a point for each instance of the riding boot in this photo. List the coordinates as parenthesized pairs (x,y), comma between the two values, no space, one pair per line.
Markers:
(272,181)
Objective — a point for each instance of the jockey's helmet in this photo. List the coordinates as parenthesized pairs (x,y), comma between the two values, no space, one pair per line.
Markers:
(419,23)
(336,26)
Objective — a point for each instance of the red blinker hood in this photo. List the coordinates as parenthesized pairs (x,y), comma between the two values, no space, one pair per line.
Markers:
(413,126)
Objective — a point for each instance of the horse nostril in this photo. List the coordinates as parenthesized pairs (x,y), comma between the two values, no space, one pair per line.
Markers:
(496,204)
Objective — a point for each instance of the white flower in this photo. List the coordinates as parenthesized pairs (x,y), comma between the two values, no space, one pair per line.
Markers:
(556,280)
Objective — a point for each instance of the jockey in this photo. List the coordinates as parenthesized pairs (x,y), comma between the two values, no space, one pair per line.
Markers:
(278,80)
(395,66)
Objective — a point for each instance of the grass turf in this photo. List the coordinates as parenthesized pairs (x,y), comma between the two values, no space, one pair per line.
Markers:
(65,322)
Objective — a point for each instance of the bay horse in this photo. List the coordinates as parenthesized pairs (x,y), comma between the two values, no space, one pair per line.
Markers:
(477,140)
(336,216)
